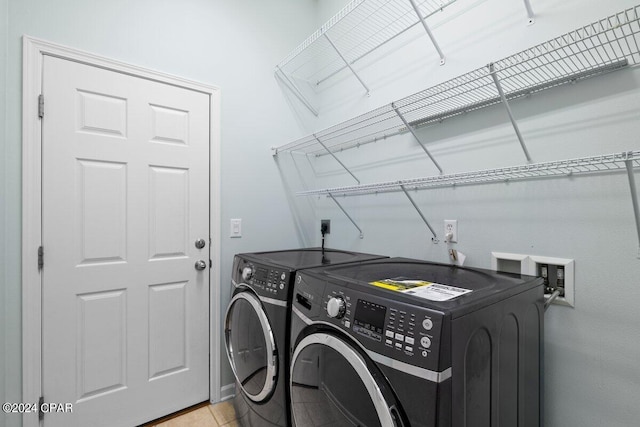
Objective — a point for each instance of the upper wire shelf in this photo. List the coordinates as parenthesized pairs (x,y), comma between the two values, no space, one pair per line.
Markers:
(357,30)
(594,164)
(603,46)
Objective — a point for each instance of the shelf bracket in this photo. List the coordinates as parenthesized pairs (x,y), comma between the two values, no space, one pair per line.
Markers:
(530,15)
(413,132)
(336,158)
(347,215)
(426,28)
(294,89)
(494,75)
(634,195)
(435,238)
(347,63)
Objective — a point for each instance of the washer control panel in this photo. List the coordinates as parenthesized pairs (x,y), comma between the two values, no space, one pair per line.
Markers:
(392,328)
(271,282)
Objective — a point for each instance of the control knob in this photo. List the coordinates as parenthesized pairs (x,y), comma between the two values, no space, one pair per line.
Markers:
(336,307)
(247,273)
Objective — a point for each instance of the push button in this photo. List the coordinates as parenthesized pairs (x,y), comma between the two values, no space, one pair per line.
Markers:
(389,333)
(427,324)
(425,342)
(409,340)
(400,337)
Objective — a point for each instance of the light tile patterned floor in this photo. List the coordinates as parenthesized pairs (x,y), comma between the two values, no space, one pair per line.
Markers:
(218,415)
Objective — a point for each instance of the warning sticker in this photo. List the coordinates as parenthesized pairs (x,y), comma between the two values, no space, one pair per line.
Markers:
(422,289)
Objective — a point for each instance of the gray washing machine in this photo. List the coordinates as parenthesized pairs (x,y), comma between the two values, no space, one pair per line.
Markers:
(257,327)
(402,342)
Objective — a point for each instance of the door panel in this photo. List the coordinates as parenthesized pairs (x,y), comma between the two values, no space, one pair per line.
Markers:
(102,215)
(168,212)
(125,196)
(167,329)
(101,343)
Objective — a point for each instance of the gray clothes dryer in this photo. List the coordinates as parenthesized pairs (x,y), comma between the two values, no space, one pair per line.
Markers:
(257,328)
(402,342)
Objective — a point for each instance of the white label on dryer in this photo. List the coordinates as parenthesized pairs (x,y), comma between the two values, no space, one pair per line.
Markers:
(422,289)
(437,292)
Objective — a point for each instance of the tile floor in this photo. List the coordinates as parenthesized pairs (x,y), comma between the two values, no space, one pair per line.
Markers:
(205,415)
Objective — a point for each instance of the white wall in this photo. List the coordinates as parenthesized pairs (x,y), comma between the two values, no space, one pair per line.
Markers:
(231,44)
(591,375)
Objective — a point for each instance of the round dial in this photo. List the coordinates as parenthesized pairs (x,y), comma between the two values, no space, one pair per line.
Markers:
(336,307)
(247,273)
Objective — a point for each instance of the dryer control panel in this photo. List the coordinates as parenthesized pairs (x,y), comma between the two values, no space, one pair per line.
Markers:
(400,331)
(266,281)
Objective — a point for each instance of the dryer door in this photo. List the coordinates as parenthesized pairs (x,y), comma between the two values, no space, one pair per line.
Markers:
(332,384)
(251,347)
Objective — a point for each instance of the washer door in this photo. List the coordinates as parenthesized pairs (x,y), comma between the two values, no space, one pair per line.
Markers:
(251,347)
(332,384)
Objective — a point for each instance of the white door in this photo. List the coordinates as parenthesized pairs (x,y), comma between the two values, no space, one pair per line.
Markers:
(125,197)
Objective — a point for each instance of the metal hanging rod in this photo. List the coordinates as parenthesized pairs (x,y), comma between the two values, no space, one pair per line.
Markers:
(347,215)
(601,47)
(413,132)
(530,14)
(505,102)
(295,90)
(435,237)
(634,195)
(337,160)
(427,30)
(347,64)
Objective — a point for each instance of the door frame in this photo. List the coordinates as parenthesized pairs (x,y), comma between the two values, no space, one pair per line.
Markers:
(34,51)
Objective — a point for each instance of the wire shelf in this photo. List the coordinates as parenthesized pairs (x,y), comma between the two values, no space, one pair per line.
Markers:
(357,30)
(603,46)
(595,164)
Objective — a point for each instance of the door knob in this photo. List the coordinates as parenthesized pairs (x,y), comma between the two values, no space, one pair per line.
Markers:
(201,265)
(200,243)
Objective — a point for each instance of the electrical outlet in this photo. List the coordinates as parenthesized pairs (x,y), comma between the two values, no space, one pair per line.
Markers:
(451,230)
(325,224)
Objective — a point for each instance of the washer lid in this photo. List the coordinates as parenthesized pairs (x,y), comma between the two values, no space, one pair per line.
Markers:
(309,257)
(471,288)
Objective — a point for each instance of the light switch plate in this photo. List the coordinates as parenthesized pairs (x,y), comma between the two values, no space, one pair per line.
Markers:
(236,227)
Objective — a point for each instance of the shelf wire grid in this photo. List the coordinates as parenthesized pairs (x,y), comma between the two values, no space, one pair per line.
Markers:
(357,30)
(578,166)
(603,46)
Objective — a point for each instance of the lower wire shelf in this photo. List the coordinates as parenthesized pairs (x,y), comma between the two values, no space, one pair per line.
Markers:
(615,162)
(583,165)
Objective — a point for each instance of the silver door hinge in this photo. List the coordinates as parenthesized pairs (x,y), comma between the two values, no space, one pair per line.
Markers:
(40,404)
(40,258)
(41,106)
